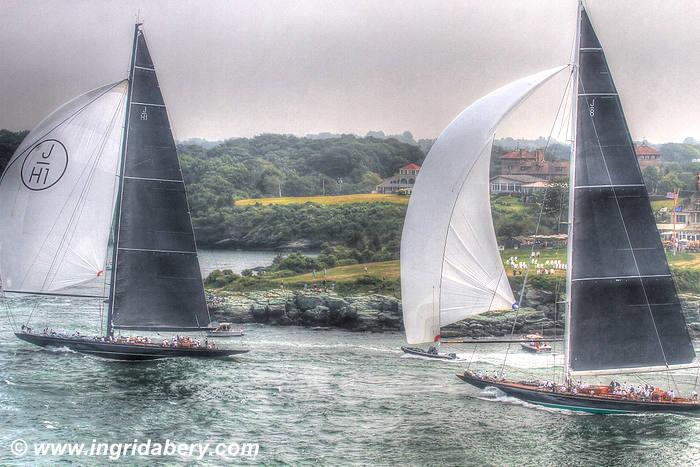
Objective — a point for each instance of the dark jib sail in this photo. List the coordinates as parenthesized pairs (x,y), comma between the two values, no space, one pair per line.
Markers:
(624,309)
(157,284)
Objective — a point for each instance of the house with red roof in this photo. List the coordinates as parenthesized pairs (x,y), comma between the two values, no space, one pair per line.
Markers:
(523,162)
(401,182)
(647,156)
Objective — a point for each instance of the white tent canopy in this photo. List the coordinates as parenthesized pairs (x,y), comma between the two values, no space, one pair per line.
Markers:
(450,265)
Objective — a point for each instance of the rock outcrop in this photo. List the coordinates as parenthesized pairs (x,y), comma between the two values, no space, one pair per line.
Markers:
(379,313)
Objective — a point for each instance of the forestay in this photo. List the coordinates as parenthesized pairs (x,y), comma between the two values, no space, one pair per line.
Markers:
(450,265)
(57,196)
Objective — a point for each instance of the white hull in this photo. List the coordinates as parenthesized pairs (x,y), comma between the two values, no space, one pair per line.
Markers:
(532,348)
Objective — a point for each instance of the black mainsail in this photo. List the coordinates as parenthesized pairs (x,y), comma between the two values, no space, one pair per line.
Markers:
(156,281)
(624,311)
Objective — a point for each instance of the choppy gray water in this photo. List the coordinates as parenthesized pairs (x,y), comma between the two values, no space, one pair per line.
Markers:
(311,397)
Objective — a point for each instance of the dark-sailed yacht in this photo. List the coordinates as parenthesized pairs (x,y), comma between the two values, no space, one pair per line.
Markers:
(105,163)
(623,315)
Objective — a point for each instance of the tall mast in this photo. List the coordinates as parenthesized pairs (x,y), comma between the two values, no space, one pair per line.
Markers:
(117,212)
(572,178)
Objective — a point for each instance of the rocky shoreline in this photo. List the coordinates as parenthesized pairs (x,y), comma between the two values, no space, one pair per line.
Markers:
(380,313)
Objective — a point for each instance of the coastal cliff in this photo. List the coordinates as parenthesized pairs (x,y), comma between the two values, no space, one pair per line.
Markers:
(379,313)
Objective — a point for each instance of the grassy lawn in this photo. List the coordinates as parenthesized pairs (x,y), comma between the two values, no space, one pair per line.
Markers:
(662,203)
(391,269)
(340,199)
(523,254)
(507,205)
(385,269)
(684,260)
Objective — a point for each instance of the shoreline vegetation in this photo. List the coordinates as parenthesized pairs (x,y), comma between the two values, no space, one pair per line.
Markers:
(366,297)
(282,192)
(371,312)
(343,271)
(325,200)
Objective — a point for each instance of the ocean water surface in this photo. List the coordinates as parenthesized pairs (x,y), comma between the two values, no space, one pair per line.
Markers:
(309,397)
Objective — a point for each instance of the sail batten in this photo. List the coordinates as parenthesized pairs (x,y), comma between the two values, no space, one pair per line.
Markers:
(157,280)
(624,313)
(450,265)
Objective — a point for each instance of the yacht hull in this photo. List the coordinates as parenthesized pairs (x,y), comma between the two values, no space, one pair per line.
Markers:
(579,402)
(423,353)
(130,352)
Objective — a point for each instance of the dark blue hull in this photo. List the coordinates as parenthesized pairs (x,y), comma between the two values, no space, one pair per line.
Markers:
(116,351)
(579,402)
(423,353)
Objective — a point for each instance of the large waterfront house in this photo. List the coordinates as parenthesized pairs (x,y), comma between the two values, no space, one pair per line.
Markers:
(523,162)
(401,182)
(517,184)
(647,156)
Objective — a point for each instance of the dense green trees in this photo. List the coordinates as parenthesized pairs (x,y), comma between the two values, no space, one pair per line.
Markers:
(679,167)
(265,165)
(373,226)
(9,141)
(652,177)
(269,164)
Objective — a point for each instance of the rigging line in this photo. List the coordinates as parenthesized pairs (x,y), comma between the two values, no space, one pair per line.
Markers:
(537,229)
(675,385)
(573,51)
(488,143)
(89,170)
(556,117)
(65,234)
(117,215)
(472,356)
(78,111)
(569,129)
(70,231)
(80,202)
(522,292)
(10,316)
(31,313)
(622,218)
(493,297)
(637,375)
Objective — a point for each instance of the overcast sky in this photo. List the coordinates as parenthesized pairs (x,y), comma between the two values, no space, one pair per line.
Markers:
(243,67)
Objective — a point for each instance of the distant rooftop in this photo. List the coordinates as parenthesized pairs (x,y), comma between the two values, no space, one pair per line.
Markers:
(521,154)
(645,149)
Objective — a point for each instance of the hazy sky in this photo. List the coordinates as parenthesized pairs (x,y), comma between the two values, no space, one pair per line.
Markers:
(244,67)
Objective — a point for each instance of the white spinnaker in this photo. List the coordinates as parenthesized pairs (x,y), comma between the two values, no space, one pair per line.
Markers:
(450,265)
(57,195)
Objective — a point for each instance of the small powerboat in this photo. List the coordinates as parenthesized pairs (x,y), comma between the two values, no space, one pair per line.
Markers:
(536,344)
(225,330)
(430,353)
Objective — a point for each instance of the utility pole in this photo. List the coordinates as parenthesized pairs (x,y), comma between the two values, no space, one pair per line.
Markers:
(674,212)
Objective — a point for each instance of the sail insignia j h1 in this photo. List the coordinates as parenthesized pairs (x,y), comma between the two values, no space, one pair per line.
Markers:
(623,311)
(56,229)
